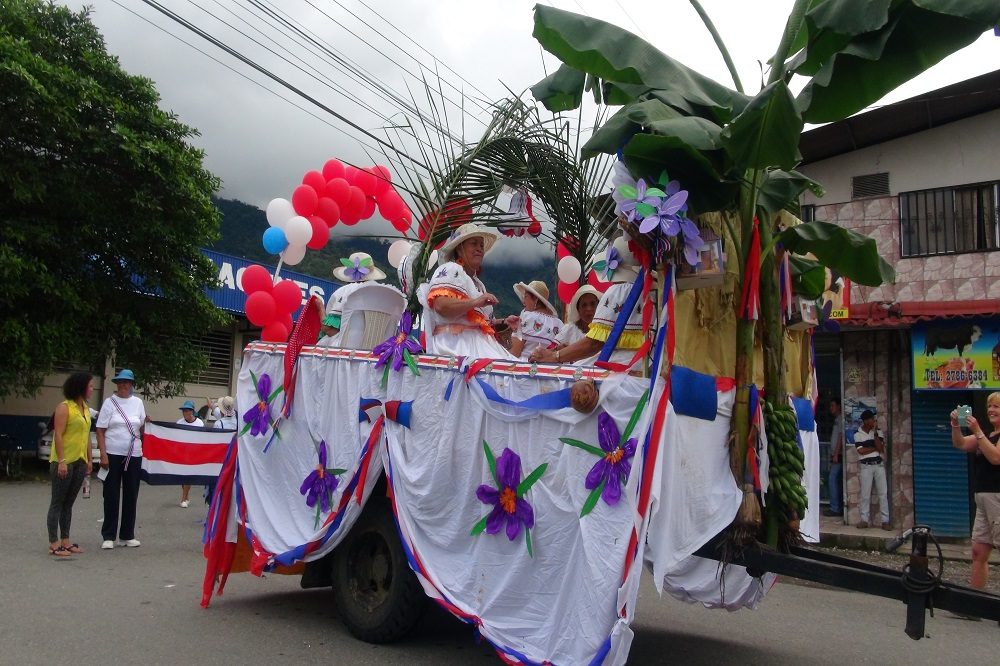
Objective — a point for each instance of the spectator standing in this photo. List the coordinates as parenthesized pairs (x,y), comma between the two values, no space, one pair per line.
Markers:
(188,418)
(870,445)
(836,476)
(119,437)
(985,485)
(69,461)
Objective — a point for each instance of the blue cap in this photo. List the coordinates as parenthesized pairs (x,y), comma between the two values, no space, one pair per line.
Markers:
(124,375)
(188,404)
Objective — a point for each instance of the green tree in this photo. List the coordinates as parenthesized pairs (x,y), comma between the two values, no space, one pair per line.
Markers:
(735,152)
(104,206)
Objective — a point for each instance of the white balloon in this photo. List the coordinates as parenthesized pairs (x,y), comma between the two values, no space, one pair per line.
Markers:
(279,212)
(298,231)
(569,269)
(397,251)
(293,254)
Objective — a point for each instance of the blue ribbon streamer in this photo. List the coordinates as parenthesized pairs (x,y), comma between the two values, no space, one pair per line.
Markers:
(553,400)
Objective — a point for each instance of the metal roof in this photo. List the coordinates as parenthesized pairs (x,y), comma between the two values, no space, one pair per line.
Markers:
(923,112)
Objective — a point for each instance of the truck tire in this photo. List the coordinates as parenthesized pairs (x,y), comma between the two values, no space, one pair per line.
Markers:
(378,596)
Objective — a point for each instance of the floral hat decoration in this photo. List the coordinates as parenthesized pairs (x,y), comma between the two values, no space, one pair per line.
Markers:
(359,267)
(658,211)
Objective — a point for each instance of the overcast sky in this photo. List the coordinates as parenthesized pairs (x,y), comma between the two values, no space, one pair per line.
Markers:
(260,145)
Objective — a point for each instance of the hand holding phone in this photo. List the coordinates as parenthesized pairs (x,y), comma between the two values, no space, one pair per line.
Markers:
(964,412)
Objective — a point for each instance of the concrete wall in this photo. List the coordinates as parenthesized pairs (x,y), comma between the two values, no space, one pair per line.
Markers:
(870,358)
(958,153)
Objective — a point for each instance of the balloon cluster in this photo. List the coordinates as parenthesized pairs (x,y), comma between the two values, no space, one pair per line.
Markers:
(338,193)
(270,305)
(569,270)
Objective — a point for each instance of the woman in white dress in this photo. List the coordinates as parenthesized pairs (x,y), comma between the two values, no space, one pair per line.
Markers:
(582,307)
(458,310)
(540,327)
(586,350)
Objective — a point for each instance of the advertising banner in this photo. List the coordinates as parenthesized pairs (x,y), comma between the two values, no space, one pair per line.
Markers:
(957,354)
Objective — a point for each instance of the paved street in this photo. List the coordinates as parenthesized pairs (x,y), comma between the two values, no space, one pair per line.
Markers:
(141,606)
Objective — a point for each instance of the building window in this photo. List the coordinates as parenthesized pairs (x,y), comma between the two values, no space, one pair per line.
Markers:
(807,212)
(949,220)
(870,185)
(217,346)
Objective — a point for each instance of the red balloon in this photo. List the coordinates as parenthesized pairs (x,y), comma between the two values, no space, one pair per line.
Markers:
(349,220)
(287,321)
(328,209)
(260,308)
(339,190)
(366,181)
(594,281)
(255,278)
(383,178)
(402,223)
(333,169)
(535,228)
(369,208)
(351,174)
(274,332)
(567,290)
(355,206)
(305,200)
(391,205)
(565,247)
(321,233)
(287,295)
(315,180)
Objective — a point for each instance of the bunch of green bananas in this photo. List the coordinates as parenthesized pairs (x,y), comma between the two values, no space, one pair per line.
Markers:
(787,461)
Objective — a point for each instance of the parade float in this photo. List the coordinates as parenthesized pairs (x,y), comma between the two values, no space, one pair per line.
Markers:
(481,483)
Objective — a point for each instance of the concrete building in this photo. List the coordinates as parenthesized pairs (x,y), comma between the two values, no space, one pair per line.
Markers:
(921,177)
(20,417)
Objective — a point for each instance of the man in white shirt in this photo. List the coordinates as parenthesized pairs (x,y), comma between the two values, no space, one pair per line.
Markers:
(870,445)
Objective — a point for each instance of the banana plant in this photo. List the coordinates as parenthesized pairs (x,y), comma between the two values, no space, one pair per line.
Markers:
(736,152)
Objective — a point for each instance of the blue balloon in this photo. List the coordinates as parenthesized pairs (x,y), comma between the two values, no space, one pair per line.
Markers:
(274,240)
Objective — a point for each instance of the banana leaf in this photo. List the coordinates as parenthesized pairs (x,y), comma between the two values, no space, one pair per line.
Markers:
(562,90)
(849,253)
(766,133)
(808,276)
(700,172)
(780,190)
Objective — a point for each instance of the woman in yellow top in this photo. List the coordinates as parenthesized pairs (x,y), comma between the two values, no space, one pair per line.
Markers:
(69,461)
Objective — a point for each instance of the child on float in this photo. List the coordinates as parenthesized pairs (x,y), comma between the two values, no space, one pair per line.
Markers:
(539,326)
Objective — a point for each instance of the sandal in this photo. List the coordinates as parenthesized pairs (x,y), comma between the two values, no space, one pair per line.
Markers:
(74,548)
(61,551)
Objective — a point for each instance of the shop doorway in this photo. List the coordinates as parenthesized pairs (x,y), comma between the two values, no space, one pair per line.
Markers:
(828,380)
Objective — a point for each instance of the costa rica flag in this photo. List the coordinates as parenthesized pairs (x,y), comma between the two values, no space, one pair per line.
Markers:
(174,454)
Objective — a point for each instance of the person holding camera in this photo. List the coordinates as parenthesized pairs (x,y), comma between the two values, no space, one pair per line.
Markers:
(869,442)
(985,482)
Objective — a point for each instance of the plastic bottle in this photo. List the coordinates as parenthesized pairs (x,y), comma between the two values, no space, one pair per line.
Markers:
(86,486)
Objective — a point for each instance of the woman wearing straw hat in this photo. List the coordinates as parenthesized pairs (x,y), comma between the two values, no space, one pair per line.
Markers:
(458,311)
(119,437)
(621,268)
(355,271)
(582,307)
(539,324)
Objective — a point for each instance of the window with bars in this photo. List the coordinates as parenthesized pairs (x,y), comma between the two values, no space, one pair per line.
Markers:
(950,220)
(217,346)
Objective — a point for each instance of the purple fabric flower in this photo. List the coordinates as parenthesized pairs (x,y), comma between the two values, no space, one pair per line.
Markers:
(259,416)
(611,262)
(356,268)
(633,207)
(320,484)
(667,215)
(613,469)
(693,244)
(508,508)
(399,346)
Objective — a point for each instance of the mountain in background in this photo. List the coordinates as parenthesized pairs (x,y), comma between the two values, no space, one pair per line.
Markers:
(243,225)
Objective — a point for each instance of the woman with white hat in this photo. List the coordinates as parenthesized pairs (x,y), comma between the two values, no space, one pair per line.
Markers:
(458,311)
(582,307)
(119,437)
(621,268)
(539,324)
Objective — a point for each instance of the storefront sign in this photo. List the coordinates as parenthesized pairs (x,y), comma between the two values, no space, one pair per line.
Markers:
(229,296)
(960,354)
(836,298)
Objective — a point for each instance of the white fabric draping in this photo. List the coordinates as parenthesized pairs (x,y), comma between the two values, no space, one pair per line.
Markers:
(809,524)
(563,603)
(325,408)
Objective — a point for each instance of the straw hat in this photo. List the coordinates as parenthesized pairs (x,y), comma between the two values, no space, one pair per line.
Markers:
(358,267)
(536,288)
(586,289)
(464,233)
(227,405)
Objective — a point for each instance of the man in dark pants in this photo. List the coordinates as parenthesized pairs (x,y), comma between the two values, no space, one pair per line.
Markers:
(836,478)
